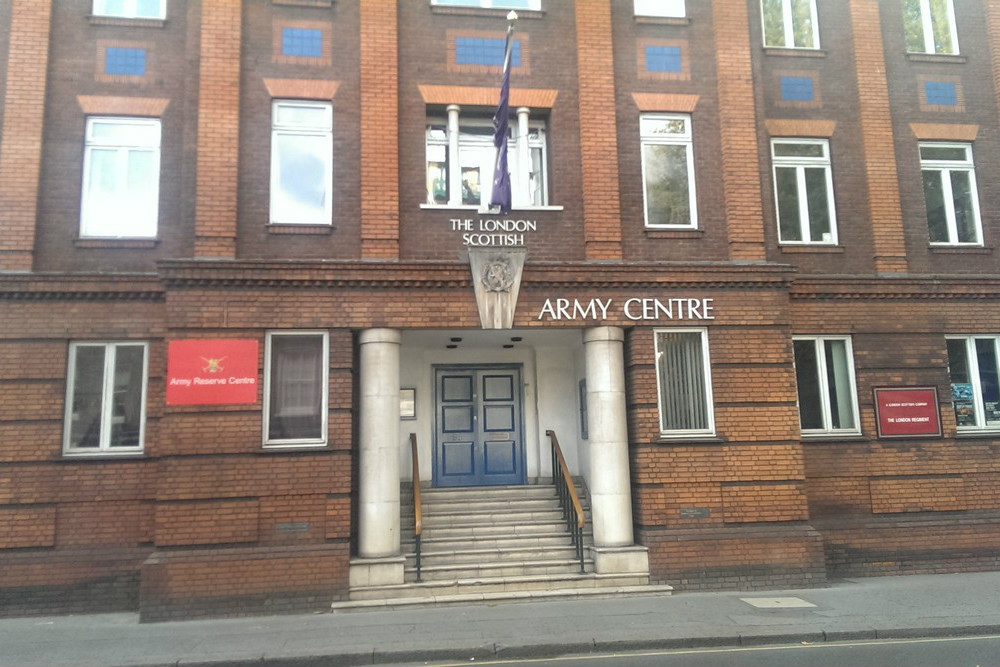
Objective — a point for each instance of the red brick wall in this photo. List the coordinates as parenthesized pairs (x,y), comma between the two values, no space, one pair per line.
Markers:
(598,145)
(21,132)
(379,139)
(218,129)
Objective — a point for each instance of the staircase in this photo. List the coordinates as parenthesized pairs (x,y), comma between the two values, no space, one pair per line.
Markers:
(494,543)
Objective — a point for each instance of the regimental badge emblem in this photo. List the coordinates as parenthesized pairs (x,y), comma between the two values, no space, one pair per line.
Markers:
(498,276)
(213,365)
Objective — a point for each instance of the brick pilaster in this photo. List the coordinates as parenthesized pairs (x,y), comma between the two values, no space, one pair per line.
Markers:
(598,133)
(738,126)
(877,137)
(218,129)
(21,135)
(379,130)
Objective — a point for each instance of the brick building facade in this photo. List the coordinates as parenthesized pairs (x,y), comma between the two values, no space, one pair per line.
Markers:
(739,218)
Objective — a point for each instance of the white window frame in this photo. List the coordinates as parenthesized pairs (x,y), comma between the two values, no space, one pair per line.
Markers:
(325,388)
(527,135)
(666,8)
(92,217)
(130,10)
(819,343)
(927,27)
(322,134)
(683,139)
(107,399)
(533,5)
(789,36)
(977,387)
(945,168)
(706,374)
(800,164)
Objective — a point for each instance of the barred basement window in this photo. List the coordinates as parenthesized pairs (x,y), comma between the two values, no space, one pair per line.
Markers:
(296,388)
(683,382)
(105,398)
(824,370)
(121,178)
(930,26)
(975,390)
(803,190)
(131,9)
(950,194)
(301,163)
(669,198)
(790,24)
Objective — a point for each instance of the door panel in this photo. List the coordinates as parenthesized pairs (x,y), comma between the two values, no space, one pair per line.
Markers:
(478,433)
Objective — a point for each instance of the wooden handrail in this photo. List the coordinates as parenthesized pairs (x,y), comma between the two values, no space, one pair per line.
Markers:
(417,510)
(574,498)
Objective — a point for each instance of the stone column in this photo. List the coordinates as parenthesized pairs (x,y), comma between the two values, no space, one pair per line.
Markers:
(380,561)
(610,489)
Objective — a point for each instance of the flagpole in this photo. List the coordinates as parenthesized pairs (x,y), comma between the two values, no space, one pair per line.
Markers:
(500,197)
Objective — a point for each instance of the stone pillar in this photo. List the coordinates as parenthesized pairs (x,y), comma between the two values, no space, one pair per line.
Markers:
(610,492)
(380,561)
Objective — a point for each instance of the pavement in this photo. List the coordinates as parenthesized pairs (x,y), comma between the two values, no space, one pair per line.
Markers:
(849,609)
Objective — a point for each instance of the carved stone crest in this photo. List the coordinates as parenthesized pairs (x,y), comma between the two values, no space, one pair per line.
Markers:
(496,277)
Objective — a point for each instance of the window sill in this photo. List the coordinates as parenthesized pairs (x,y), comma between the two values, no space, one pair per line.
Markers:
(129,22)
(320,230)
(448,207)
(115,243)
(663,233)
(984,433)
(809,249)
(104,455)
(689,440)
(833,437)
(274,449)
(961,250)
(663,20)
(936,58)
(783,51)
(304,3)
(486,11)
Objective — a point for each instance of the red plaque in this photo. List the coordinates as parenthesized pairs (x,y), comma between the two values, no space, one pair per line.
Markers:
(907,412)
(211,372)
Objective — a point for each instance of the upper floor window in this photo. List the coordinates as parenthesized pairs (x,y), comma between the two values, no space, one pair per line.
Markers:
(824,371)
(296,380)
(461,158)
(673,8)
(972,365)
(803,190)
(790,23)
(684,382)
(491,4)
(930,26)
(131,9)
(105,398)
(950,194)
(301,162)
(668,171)
(121,178)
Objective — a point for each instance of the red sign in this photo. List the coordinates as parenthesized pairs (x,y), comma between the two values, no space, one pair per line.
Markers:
(906,412)
(211,372)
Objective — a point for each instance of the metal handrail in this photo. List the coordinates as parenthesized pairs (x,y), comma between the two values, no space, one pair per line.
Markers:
(568,498)
(417,510)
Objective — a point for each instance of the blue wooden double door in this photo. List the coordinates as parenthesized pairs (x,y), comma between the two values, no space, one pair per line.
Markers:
(479,437)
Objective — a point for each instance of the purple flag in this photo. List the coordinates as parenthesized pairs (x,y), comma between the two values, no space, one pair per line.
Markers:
(500,197)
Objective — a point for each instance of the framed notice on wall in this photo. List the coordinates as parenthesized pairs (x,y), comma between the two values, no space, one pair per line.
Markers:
(907,412)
